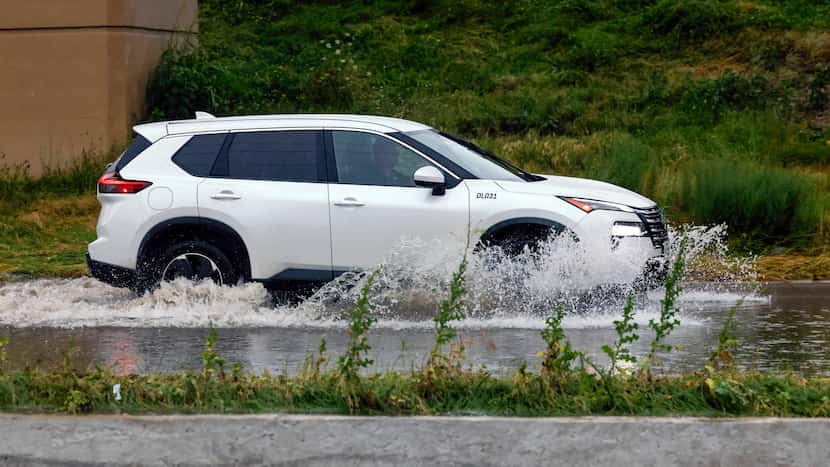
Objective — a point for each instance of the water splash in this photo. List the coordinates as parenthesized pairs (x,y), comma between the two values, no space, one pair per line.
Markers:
(502,292)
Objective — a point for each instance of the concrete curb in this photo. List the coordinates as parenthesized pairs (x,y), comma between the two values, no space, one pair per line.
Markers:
(331,440)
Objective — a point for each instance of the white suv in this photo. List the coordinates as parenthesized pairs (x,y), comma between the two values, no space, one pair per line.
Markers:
(297,199)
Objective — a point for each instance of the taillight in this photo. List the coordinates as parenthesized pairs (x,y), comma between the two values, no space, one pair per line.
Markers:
(113,183)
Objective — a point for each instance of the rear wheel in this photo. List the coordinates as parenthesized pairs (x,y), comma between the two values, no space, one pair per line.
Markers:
(195,260)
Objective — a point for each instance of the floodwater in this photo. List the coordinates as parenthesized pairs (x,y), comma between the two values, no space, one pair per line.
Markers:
(780,327)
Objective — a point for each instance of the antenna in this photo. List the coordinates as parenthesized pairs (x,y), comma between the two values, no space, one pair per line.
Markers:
(203,115)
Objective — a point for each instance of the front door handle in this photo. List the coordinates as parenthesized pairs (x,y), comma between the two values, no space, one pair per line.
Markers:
(225,194)
(349,202)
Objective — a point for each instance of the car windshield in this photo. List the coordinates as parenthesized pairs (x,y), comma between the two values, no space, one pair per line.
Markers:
(479,162)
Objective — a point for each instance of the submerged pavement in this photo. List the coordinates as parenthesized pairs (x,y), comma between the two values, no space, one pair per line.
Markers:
(310,440)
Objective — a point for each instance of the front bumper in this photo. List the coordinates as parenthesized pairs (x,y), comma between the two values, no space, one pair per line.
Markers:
(116,276)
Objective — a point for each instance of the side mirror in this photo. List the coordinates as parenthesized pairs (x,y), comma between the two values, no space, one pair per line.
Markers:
(430,177)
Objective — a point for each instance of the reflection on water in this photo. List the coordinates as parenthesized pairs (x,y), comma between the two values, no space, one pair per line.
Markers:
(782,327)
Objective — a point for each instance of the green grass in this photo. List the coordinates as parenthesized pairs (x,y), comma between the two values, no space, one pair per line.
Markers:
(647,94)
(464,392)
(48,237)
(47,222)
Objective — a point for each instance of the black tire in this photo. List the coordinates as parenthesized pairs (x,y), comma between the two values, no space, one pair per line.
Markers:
(653,277)
(517,242)
(193,259)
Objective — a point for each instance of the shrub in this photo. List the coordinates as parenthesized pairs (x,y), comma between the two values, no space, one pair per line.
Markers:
(705,101)
(625,162)
(817,152)
(689,21)
(818,95)
(180,85)
(593,48)
(766,203)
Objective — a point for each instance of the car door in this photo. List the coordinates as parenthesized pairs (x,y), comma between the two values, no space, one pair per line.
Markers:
(375,204)
(270,187)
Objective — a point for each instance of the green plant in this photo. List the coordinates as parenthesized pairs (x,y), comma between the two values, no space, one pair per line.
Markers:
(626,334)
(4,343)
(689,21)
(706,101)
(668,320)
(558,356)
(625,162)
(321,359)
(359,323)
(77,402)
(769,204)
(451,309)
(818,97)
(68,357)
(594,48)
(212,362)
(723,356)
(18,187)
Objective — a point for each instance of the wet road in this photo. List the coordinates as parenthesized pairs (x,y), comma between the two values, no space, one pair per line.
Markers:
(781,327)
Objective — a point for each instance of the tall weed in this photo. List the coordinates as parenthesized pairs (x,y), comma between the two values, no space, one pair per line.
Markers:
(769,204)
(558,357)
(360,321)
(668,320)
(451,309)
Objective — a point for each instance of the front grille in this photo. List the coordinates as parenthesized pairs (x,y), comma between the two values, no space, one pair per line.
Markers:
(655,225)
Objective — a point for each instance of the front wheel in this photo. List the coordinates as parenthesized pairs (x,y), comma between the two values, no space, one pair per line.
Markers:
(653,275)
(194,260)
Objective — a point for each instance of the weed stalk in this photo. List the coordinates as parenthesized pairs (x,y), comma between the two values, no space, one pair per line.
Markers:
(668,320)
(212,362)
(359,324)
(451,309)
(558,356)
(626,334)
(723,356)
(4,343)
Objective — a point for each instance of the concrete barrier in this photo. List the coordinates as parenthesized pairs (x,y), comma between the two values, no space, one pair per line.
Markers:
(73,74)
(329,440)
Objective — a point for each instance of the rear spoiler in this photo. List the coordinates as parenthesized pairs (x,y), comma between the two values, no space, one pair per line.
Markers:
(157,130)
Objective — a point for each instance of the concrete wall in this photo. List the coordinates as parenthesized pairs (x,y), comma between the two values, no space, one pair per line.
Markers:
(73,72)
(326,440)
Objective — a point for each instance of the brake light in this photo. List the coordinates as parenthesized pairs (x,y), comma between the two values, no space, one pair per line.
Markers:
(113,183)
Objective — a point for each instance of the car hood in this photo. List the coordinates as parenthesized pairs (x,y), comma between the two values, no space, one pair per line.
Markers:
(579,188)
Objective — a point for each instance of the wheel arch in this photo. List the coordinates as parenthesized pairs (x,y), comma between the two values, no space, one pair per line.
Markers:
(218,233)
(502,229)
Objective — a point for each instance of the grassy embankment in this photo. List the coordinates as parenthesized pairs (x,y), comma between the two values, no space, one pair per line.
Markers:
(568,382)
(716,109)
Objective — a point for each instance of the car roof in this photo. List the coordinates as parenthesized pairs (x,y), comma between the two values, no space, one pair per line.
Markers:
(206,123)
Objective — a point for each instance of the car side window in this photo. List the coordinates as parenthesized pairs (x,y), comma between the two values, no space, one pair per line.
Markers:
(283,156)
(197,156)
(369,159)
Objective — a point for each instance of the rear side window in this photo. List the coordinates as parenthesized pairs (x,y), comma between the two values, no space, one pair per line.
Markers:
(197,156)
(283,156)
(135,148)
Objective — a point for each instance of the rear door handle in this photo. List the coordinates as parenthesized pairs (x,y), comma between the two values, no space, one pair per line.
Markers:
(225,194)
(349,202)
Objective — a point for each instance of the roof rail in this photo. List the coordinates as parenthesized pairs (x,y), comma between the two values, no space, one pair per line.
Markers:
(203,115)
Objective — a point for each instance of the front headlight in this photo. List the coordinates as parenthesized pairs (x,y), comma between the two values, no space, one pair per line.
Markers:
(588,205)
(628,229)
